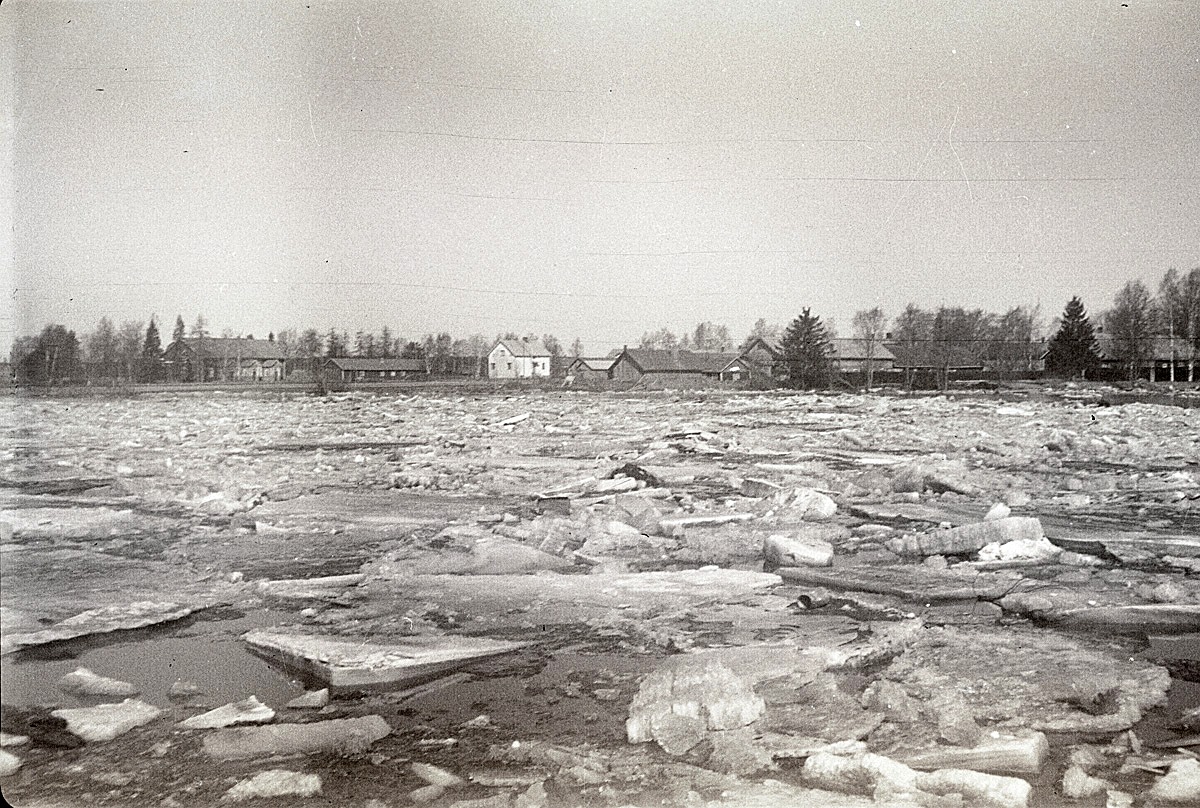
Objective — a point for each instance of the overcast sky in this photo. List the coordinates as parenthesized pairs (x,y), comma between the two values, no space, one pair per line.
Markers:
(592,169)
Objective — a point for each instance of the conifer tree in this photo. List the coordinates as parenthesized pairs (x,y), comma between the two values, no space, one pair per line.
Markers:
(1073,351)
(180,329)
(334,345)
(152,355)
(806,352)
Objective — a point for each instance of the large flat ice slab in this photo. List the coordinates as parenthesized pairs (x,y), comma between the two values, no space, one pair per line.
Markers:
(351,664)
(100,621)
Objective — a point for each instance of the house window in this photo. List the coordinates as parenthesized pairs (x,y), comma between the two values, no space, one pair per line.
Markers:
(510,365)
(493,366)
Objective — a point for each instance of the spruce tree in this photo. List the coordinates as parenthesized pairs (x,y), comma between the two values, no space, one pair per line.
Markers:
(152,355)
(1073,351)
(334,346)
(806,352)
(180,329)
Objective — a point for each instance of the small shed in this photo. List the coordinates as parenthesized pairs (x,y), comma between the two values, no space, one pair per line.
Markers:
(590,367)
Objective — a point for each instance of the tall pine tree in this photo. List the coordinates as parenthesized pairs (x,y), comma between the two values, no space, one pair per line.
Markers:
(1073,352)
(152,355)
(335,347)
(180,329)
(806,352)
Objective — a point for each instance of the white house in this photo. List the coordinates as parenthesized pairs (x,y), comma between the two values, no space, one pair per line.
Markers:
(518,359)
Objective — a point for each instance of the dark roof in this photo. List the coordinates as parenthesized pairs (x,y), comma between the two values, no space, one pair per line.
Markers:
(234,347)
(593,362)
(658,361)
(519,347)
(848,348)
(934,355)
(354,363)
(773,348)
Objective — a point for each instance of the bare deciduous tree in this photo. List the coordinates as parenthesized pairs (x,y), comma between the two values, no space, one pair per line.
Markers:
(662,339)
(1131,327)
(102,350)
(913,327)
(129,347)
(1013,335)
(708,336)
(1178,305)
(869,325)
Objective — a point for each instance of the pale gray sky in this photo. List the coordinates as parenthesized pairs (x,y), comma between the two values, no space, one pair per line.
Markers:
(593,169)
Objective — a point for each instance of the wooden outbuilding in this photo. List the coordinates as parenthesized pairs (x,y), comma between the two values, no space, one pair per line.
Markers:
(356,370)
(593,368)
(222,359)
(677,369)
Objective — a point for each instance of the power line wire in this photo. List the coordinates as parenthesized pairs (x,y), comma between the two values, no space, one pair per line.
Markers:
(715,141)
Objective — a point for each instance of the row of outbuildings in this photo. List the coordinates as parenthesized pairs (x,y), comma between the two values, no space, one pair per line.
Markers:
(760,363)
(255,360)
(757,363)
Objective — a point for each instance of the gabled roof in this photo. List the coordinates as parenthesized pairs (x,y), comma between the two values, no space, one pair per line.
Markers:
(354,363)
(519,347)
(233,347)
(594,362)
(770,346)
(659,361)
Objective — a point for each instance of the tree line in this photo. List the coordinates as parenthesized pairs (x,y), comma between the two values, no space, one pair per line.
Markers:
(1010,343)
(133,352)
(941,338)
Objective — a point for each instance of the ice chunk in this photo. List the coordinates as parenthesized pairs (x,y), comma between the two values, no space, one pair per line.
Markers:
(83,682)
(107,721)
